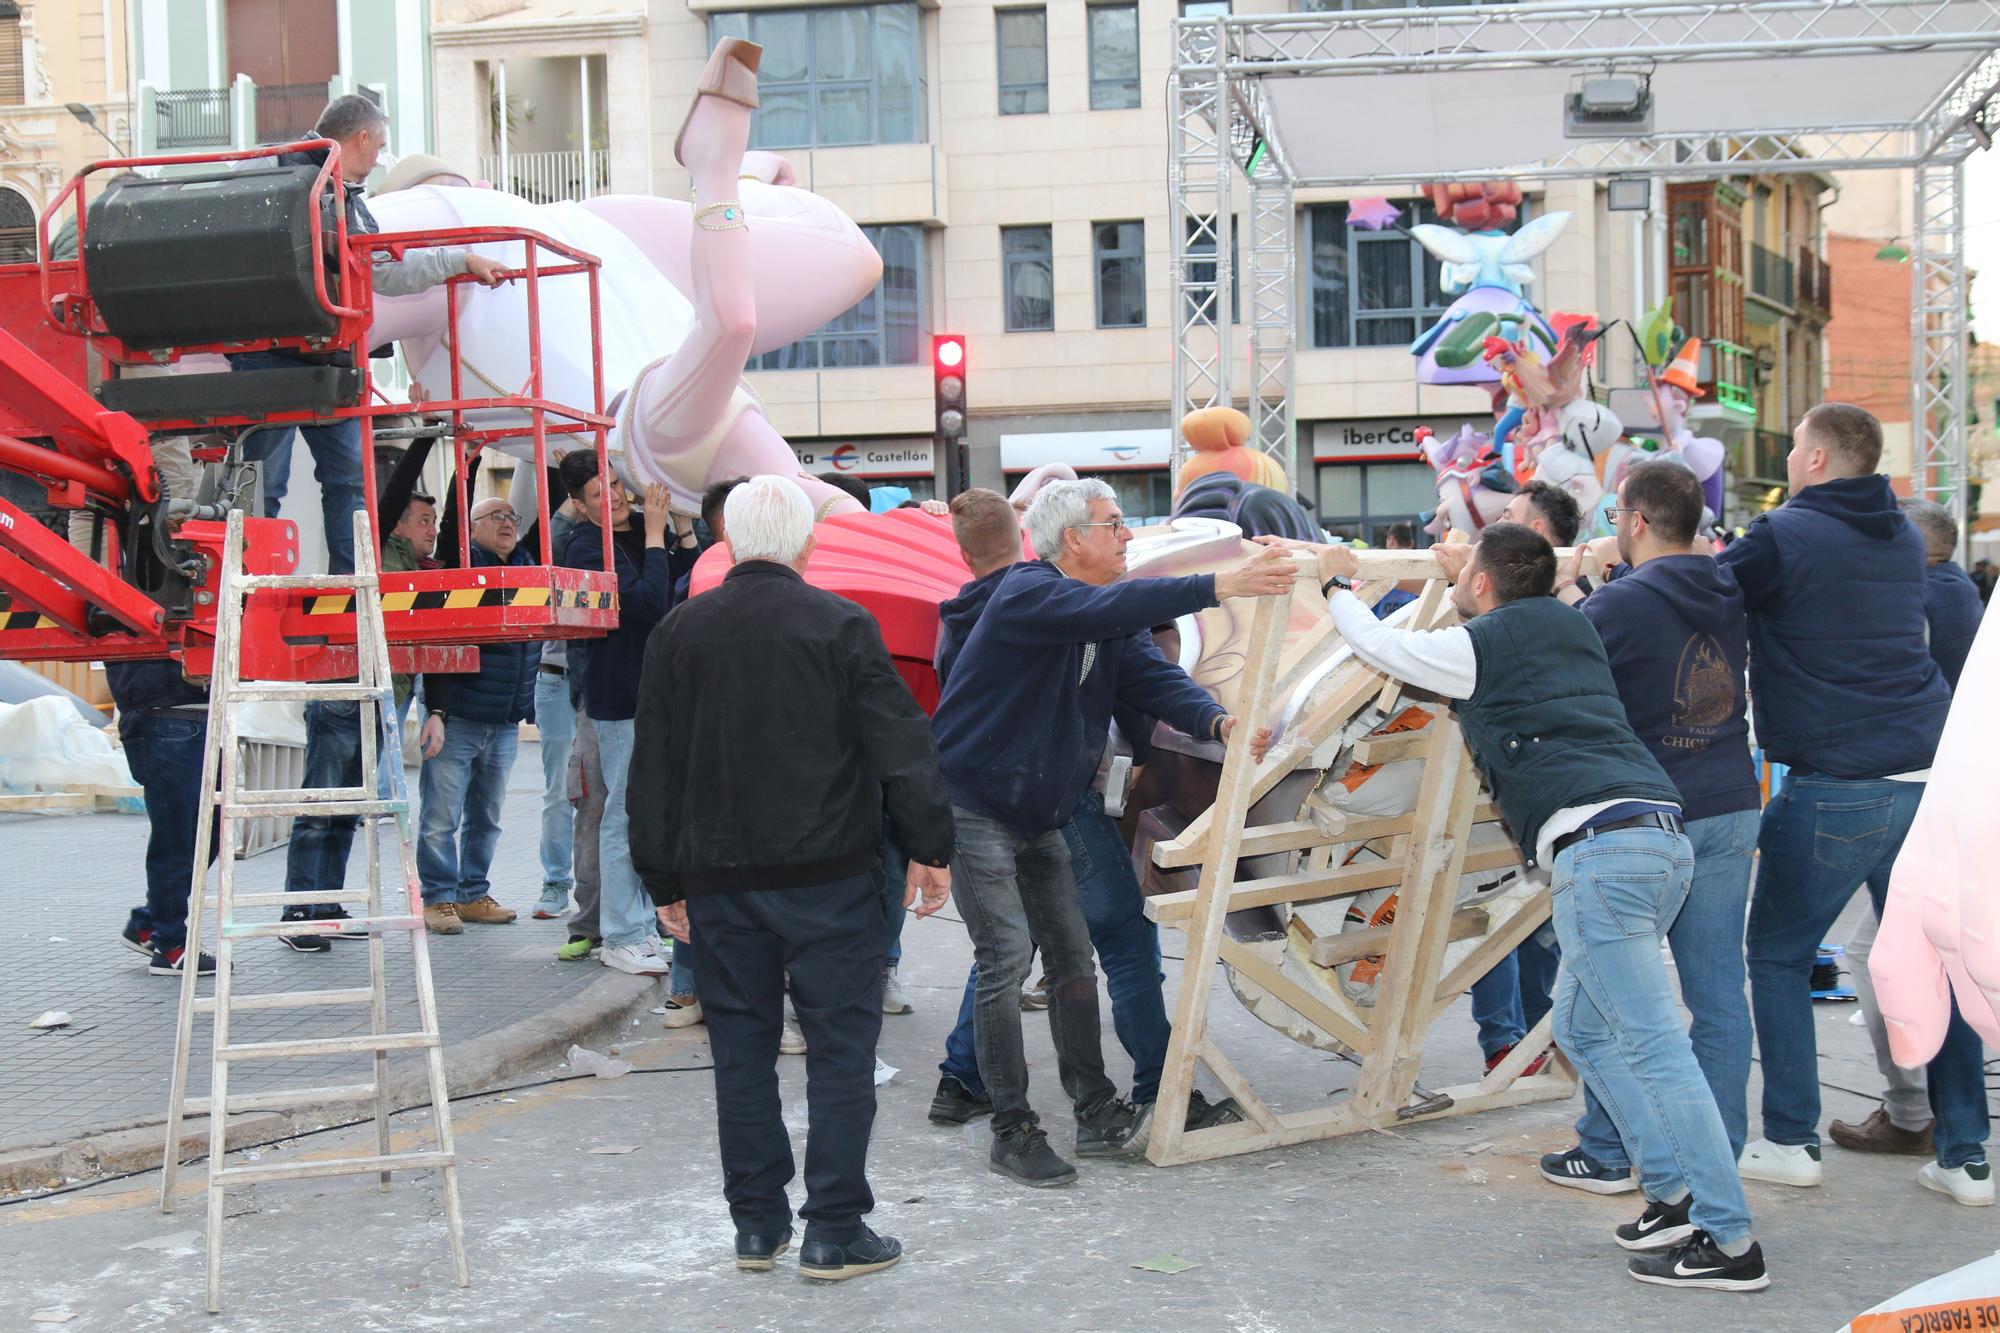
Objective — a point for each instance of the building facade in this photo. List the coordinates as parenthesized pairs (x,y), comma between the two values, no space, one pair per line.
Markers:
(65,100)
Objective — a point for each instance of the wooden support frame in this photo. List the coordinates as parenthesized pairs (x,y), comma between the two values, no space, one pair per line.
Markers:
(1425,852)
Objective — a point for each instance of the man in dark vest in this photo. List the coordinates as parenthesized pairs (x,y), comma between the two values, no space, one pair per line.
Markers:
(1545,725)
(1847,697)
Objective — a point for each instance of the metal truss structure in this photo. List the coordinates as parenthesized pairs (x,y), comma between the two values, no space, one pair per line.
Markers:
(1226,136)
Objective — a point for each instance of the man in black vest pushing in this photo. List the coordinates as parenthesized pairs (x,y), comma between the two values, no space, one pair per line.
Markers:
(1587,800)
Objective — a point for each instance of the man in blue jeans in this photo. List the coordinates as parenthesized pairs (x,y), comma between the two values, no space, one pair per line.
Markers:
(361,128)
(1849,698)
(1545,725)
(471,737)
(1021,728)
(1674,633)
(163,722)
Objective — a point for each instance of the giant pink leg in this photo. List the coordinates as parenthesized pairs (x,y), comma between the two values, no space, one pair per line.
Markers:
(808,262)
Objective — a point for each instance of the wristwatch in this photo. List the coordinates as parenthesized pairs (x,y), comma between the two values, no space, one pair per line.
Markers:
(1339,581)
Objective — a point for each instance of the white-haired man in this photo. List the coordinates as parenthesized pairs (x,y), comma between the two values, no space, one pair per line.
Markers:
(771,731)
(1021,726)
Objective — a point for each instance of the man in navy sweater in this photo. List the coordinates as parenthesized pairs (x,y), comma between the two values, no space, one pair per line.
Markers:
(1847,697)
(1674,634)
(470,739)
(647,567)
(1020,729)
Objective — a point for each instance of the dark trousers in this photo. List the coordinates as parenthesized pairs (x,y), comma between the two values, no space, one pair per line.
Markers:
(828,939)
(165,752)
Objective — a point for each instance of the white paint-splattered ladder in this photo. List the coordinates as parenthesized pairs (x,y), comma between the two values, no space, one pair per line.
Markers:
(223,804)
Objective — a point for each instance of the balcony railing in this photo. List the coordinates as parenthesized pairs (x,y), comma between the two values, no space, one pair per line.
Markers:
(1725,372)
(1771,276)
(192,118)
(288,111)
(544,178)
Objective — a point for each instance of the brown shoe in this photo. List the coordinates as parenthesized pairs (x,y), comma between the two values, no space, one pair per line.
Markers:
(1878,1134)
(442,919)
(485,912)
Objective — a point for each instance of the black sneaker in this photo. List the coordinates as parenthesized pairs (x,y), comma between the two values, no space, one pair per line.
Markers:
(757,1254)
(345,932)
(1660,1227)
(1578,1170)
(1115,1129)
(168,963)
(304,943)
(1023,1152)
(1698,1263)
(137,940)
(1204,1114)
(956,1104)
(831,1261)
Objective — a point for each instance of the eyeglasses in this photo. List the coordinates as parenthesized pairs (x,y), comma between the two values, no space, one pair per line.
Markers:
(501,516)
(1611,514)
(1116,524)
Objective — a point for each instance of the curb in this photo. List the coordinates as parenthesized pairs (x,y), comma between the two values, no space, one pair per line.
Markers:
(486,1062)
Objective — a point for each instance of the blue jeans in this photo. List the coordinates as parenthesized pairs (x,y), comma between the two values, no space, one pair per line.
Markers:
(1616,893)
(316,859)
(1128,949)
(624,908)
(165,751)
(556,720)
(463,786)
(1707,940)
(336,451)
(1512,998)
(1823,838)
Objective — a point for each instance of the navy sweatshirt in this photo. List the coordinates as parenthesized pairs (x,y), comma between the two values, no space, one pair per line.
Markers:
(646,577)
(1674,632)
(503,689)
(1027,701)
(1843,683)
(1951,600)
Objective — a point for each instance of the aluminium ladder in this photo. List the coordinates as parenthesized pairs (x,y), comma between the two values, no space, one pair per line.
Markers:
(223,804)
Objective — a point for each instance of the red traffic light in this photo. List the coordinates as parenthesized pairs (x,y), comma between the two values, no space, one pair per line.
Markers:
(948,352)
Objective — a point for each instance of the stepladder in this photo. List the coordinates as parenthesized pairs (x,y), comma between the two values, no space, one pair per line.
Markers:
(222,916)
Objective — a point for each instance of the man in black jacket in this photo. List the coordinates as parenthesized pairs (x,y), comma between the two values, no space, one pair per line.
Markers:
(470,739)
(771,729)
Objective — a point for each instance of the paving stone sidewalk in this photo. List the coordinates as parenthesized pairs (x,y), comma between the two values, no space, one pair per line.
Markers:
(66,884)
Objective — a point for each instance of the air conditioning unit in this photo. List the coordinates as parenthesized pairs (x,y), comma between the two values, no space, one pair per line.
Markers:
(1608,106)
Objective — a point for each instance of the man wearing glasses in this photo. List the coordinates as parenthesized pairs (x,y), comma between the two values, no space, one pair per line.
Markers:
(469,741)
(1021,726)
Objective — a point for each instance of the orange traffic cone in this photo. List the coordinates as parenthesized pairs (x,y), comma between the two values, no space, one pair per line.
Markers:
(1684,373)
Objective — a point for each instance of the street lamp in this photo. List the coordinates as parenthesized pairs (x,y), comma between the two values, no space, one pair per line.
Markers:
(89,117)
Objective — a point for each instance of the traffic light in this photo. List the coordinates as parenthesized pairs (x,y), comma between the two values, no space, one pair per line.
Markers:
(948,372)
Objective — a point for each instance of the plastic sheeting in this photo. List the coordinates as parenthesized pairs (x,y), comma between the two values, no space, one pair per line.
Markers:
(46,747)
(18,684)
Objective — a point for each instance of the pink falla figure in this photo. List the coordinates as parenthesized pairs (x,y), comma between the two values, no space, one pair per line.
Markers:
(688,293)
(1940,933)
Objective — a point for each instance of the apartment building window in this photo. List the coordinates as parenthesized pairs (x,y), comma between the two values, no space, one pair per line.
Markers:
(1204,9)
(13,82)
(886,328)
(1024,61)
(1120,249)
(1339,6)
(1114,57)
(1371,288)
(1027,255)
(1201,241)
(846,75)
(17,229)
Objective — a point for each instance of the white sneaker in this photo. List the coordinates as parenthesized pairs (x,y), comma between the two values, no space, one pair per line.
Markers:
(895,1000)
(634,958)
(1780,1164)
(1971,1184)
(791,1041)
(681,1015)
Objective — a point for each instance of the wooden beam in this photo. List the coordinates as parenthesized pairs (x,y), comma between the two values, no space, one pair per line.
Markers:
(1238,1087)
(1171,909)
(1313,1008)
(1525,921)
(1388,749)
(1467,923)
(1233,798)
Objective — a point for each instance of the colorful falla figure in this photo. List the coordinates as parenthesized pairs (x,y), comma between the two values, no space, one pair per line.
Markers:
(1489,269)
